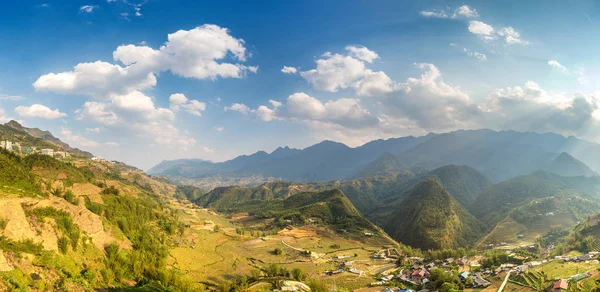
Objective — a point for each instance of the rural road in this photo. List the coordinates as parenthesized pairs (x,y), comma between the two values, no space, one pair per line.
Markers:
(505,281)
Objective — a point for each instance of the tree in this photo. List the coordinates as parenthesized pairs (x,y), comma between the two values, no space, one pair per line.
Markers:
(277,251)
(298,274)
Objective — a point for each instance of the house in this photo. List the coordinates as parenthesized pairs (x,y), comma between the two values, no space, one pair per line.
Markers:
(583,258)
(463,275)
(418,275)
(369,234)
(478,281)
(49,152)
(560,285)
(356,271)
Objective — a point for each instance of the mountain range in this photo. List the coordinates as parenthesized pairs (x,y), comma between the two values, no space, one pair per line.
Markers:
(498,155)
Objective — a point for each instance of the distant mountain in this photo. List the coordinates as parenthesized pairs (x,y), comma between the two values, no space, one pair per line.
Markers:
(384,165)
(429,218)
(566,165)
(15,130)
(324,161)
(498,155)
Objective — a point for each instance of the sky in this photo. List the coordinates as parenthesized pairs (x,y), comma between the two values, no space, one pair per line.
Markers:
(146,81)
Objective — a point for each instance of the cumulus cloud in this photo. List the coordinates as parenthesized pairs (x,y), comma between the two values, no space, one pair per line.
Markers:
(531,108)
(80,141)
(197,53)
(275,103)
(39,111)
(336,71)
(362,53)
(557,65)
(205,52)
(465,11)
(430,102)
(238,107)
(180,101)
(487,32)
(206,149)
(289,70)
(475,55)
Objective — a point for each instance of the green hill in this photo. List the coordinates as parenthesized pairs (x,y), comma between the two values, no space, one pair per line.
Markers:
(498,200)
(429,218)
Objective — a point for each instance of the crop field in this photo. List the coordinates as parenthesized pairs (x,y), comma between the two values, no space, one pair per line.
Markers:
(214,250)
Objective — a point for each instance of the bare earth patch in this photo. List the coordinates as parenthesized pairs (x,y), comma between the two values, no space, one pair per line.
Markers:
(87,189)
(5,266)
(297,233)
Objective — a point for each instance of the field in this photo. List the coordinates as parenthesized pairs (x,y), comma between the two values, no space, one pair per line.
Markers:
(214,250)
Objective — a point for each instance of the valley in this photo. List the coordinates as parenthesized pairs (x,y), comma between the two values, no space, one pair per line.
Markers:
(77,224)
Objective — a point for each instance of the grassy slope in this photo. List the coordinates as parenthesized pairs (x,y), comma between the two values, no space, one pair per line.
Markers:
(430,218)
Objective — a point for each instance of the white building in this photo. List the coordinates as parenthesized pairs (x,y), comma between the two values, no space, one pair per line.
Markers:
(62,154)
(49,152)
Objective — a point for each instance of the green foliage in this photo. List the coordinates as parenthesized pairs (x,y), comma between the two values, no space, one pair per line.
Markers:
(64,221)
(26,246)
(94,207)
(3,223)
(63,244)
(277,251)
(111,190)
(429,218)
(298,275)
(14,173)
(190,193)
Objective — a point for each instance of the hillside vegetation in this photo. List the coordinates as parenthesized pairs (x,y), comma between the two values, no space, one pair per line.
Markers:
(430,218)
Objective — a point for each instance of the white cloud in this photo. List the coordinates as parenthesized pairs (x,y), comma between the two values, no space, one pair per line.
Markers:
(476,55)
(94,130)
(434,14)
(193,53)
(335,71)
(275,103)
(205,52)
(180,101)
(220,129)
(10,97)
(487,32)
(206,149)
(362,53)
(483,30)
(3,117)
(80,141)
(289,70)
(238,107)
(465,11)
(265,114)
(39,111)
(88,8)
(98,112)
(98,79)
(557,65)
(429,103)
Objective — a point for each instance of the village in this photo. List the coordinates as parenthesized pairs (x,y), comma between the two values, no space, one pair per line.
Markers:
(417,273)
(16,147)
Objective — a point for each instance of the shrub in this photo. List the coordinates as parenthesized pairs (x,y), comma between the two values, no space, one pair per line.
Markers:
(63,244)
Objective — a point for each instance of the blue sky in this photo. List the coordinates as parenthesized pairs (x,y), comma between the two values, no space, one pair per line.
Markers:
(357,71)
